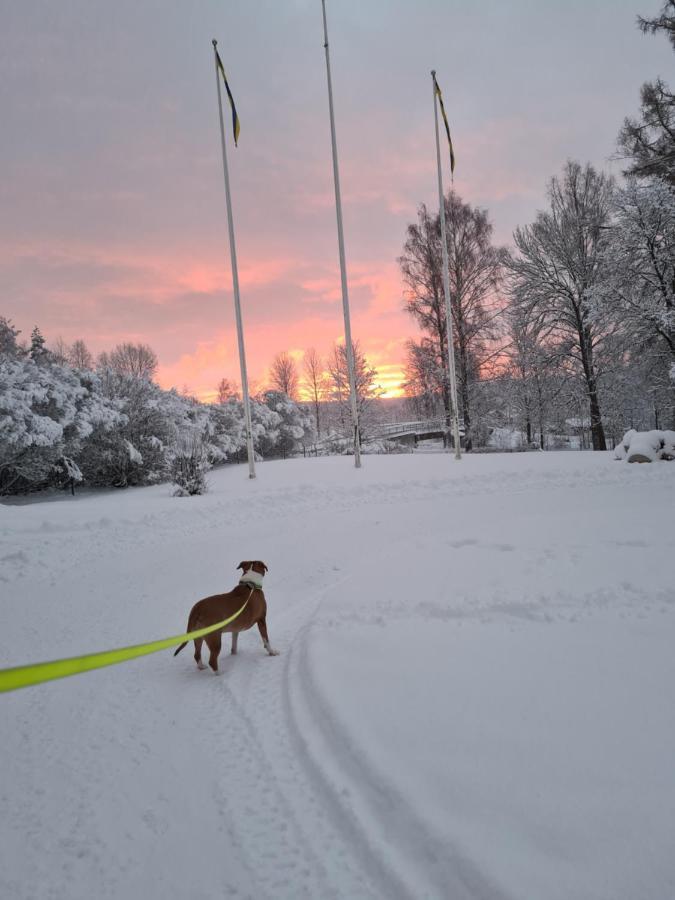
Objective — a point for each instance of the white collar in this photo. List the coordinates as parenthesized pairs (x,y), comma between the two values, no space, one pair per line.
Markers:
(252,578)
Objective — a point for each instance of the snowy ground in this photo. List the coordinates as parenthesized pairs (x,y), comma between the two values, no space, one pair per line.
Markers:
(474,697)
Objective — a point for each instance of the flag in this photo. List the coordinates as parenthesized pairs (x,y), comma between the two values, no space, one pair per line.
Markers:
(447,127)
(235,117)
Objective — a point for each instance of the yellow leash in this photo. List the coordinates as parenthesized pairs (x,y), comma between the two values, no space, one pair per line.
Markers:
(23,676)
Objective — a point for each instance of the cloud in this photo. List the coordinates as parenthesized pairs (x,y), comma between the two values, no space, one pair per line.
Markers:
(112,214)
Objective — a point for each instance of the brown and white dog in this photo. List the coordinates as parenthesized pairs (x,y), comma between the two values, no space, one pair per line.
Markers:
(221,606)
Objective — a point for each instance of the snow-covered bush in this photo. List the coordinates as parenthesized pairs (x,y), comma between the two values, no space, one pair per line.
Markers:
(668,448)
(375,447)
(190,465)
(646,446)
(65,473)
(621,449)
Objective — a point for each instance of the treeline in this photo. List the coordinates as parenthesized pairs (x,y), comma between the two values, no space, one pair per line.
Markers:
(65,419)
(324,385)
(573,330)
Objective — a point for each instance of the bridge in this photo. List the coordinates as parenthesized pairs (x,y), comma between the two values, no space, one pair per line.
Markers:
(410,432)
(405,432)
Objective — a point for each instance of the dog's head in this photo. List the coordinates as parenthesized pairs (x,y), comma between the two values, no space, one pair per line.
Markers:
(255,564)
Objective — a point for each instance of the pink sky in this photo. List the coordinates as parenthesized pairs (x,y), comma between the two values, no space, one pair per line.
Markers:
(112,213)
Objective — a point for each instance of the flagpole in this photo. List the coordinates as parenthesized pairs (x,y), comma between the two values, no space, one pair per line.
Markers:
(446,286)
(235,282)
(343,266)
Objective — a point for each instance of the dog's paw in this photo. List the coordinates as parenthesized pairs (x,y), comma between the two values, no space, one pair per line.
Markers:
(201,667)
(272,652)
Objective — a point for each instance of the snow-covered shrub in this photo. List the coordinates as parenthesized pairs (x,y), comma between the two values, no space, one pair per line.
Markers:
(190,465)
(646,446)
(375,447)
(668,449)
(65,473)
(621,450)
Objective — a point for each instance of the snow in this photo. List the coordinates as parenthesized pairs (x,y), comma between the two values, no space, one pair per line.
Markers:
(646,446)
(473,697)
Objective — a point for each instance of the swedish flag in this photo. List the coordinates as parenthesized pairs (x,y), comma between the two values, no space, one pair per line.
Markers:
(235,117)
(445,119)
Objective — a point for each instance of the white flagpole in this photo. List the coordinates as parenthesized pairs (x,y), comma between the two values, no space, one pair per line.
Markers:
(343,266)
(446,287)
(235,283)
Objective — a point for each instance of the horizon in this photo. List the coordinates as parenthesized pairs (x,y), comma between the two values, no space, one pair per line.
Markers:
(113,225)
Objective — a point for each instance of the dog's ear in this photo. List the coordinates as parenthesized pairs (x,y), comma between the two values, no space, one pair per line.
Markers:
(264,566)
(242,565)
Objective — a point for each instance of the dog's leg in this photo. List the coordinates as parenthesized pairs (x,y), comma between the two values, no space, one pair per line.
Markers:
(262,628)
(198,653)
(235,638)
(213,641)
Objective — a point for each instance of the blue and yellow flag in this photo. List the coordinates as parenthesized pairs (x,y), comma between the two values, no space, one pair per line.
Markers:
(447,127)
(235,117)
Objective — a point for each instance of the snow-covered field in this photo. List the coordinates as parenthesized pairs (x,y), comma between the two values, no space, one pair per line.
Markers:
(474,697)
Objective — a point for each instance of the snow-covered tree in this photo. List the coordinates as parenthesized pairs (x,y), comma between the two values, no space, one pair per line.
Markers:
(648,143)
(425,377)
(293,430)
(38,347)
(8,338)
(47,411)
(474,266)
(558,267)
(639,286)
(367,388)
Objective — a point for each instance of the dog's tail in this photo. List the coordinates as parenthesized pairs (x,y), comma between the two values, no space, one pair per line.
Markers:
(190,627)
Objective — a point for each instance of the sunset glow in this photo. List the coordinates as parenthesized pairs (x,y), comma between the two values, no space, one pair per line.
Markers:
(112,222)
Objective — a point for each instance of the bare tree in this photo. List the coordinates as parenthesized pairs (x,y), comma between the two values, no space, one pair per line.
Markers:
(138,360)
(535,371)
(227,391)
(284,375)
(424,377)
(558,267)
(60,351)
(315,383)
(367,389)
(474,266)
(79,356)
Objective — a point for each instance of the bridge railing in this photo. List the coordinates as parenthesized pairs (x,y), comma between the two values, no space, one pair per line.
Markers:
(421,426)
